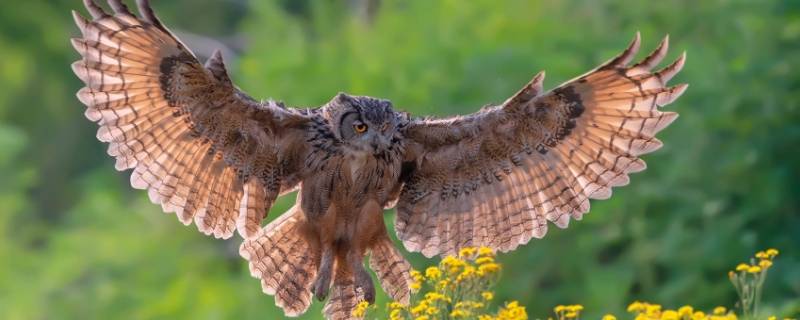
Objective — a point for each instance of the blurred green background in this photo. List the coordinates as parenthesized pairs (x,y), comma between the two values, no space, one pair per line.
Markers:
(76,242)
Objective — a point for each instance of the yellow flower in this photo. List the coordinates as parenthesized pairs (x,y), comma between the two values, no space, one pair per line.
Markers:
(670,315)
(459,313)
(489,268)
(609,317)
(764,264)
(417,276)
(484,260)
(431,311)
(487,295)
(698,315)
(636,306)
(571,315)
(433,273)
(559,308)
(762,255)
(772,252)
(685,311)
(396,305)
(422,318)
(742,267)
(420,308)
(415,286)
(361,309)
(442,284)
(653,309)
(434,296)
(720,310)
(395,314)
(575,307)
(485,317)
(467,252)
(754,269)
(772,318)
(485,252)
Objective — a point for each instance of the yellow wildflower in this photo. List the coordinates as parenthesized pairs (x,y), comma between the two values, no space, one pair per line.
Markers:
(742,267)
(609,317)
(762,255)
(635,306)
(670,315)
(484,260)
(685,311)
(361,309)
(754,269)
(459,313)
(772,318)
(559,308)
(653,309)
(395,314)
(442,284)
(420,308)
(434,296)
(485,252)
(698,315)
(417,276)
(467,252)
(764,264)
(485,317)
(433,273)
(422,318)
(431,311)
(396,305)
(571,315)
(771,252)
(489,268)
(487,295)
(720,310)
(415,286)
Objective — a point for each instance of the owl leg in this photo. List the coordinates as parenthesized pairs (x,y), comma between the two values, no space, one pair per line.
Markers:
(323,281)
(363,280)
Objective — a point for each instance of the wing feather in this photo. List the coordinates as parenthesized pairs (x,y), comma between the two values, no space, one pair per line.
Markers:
(494,178)
(200,147)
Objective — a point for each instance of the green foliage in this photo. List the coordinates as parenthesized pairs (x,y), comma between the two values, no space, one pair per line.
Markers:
(77,242)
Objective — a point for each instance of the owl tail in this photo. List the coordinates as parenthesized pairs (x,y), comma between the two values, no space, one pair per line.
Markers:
(283,260)
(393,271)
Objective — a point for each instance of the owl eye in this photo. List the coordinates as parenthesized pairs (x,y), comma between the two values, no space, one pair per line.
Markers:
(360,127)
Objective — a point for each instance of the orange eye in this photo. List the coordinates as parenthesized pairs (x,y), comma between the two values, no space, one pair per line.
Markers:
(360,128)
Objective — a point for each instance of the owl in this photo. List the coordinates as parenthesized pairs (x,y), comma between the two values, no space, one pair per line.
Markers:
(218,158)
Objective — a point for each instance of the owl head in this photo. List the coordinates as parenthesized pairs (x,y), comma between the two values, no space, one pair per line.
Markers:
(363,124)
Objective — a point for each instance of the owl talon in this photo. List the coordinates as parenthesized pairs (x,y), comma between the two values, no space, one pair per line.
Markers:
(323,282)
(364,282)
(321,286)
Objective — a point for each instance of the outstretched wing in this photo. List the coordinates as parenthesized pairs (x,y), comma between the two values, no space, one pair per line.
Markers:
(202,148)
(494,178)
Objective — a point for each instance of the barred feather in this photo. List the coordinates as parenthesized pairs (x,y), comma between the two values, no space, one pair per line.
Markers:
(195,142)
(494,178)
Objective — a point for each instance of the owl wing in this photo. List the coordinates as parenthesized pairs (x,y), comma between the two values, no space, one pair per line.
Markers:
(496,177)
(202,148)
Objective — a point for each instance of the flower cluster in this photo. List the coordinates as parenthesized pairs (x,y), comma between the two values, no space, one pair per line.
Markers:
(568,312)
(648,311)
(459,287)
(748,279)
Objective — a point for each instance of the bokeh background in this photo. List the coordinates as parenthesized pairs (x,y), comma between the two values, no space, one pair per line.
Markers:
(76,242)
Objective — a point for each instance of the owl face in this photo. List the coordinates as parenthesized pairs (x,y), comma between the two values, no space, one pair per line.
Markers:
(363,124)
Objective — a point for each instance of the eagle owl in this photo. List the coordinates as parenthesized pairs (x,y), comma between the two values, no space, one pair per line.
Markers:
(207,151)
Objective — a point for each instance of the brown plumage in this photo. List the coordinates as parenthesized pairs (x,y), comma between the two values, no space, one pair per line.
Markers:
(216,157)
